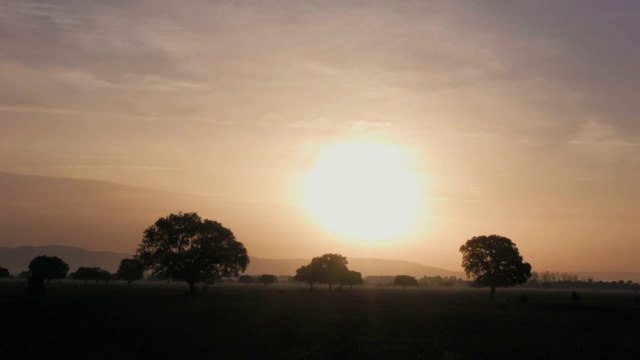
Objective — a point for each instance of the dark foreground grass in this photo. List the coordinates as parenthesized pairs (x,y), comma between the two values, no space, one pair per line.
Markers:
(118,322)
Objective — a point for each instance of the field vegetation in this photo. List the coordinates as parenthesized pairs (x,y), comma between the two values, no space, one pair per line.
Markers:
(284,320)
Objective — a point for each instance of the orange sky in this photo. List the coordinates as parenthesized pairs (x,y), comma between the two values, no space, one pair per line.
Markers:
(517,119)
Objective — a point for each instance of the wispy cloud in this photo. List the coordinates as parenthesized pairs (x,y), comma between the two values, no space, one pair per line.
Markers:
(602,141)
(323,123)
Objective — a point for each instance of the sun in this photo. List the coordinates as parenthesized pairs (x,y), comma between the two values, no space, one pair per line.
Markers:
(364,191)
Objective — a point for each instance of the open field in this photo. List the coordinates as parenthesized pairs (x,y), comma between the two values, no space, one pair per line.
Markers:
(288,321)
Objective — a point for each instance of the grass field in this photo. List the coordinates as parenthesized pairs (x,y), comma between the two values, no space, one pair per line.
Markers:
(286,321)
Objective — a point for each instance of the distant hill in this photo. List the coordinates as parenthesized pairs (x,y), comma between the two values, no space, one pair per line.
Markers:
(365,266)
(101,215)
(398,267)
(17,260)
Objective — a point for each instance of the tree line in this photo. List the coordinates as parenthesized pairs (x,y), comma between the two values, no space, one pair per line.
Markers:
(185,247)
(50,268)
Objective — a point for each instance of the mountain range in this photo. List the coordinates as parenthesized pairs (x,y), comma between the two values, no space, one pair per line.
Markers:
(17,260)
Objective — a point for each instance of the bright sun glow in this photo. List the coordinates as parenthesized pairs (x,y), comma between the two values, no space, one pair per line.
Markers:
(364,191)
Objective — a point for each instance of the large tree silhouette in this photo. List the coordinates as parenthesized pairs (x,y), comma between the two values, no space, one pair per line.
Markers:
(494,261)
(185,247)
(327,269)
(48,267)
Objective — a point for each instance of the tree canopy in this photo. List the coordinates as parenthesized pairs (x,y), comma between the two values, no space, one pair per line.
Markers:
(494,261)
(91,273)
(327,269)
(185,247)
(405,280)
(48,267)
(266,279)
(351,278)
(130,270)
(4,272)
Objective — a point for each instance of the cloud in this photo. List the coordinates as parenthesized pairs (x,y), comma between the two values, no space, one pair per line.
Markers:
(318,123)
(602,141)
(323,123)
(126,167)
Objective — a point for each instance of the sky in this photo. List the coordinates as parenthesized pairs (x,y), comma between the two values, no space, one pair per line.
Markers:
(515,118)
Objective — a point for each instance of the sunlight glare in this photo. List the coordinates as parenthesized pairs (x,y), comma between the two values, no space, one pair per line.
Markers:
(365,192)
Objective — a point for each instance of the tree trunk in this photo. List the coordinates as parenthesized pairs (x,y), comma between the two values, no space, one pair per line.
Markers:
(330,286)
(192,287)
(310,286)
(493,293)
(128,282)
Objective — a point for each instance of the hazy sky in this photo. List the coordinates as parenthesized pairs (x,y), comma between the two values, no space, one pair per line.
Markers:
(519,118)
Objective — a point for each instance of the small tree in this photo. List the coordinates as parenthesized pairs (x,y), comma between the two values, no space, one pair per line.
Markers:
(405,280)
(351,278)
(185,247)
(130,270)
(309,274)
(4,273)
(91,273)
(267,279)
(48,267)
(104,275)
(246,279)
(494,261)
(86,274)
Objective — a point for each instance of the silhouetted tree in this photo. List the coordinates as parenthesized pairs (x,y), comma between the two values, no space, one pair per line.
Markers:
(104,275)
(86,274)
(185,247)
(266,279)
(351,278)
(4,272)
(246,279)
(494,261)
(24,274)
(309,274)
(336,268)
(130,270)
(405,280)
(326,269)
(48,267)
